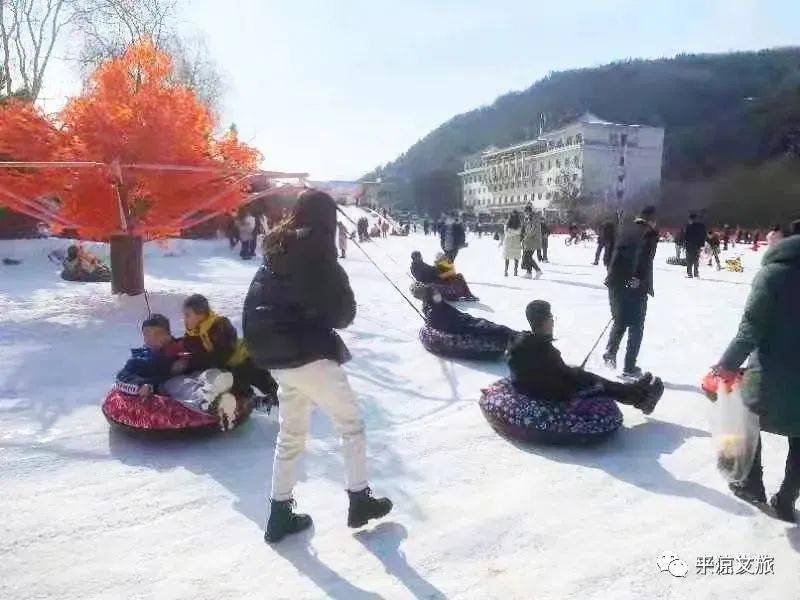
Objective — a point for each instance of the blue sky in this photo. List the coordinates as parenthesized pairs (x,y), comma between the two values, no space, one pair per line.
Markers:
(336,87)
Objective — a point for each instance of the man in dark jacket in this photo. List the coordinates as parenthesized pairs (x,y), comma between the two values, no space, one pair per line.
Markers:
(538,370)
(694,237)
(295,302)
(605,241)
(769,334)
(630,282)
(452,238)
(541,254)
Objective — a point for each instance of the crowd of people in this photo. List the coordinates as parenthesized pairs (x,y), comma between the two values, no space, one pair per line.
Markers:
(300,296)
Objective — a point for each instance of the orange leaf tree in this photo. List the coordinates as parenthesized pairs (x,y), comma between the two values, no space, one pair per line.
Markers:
(151,164)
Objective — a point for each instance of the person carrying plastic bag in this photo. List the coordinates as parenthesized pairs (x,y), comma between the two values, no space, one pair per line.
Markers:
(768,333)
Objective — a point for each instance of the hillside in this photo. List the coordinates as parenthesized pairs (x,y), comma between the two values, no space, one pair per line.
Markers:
(726,116)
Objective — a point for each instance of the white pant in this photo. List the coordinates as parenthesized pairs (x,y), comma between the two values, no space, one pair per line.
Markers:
(199,389)
(322,383)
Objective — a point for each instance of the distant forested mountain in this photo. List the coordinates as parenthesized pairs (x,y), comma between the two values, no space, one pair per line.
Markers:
(732,124)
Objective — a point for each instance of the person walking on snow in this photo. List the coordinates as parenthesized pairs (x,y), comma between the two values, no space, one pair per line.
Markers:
(630,282)
(246,224)
(531,242)
(694,236)
(512,241)
(605,242)
(768,334)
(343,234)
(713,247)
(296,301)
(452,238)
(542,255)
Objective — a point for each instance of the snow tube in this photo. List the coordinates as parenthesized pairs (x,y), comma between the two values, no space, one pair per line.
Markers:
(454,345)
(519,417)
(161,415)
(100,275)
(451,291)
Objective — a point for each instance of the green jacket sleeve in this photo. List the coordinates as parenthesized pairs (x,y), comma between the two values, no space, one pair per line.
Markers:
(755,324)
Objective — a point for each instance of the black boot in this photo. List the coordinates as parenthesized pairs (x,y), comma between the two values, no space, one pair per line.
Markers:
(783,507)
(283,522)
(364,507)
(749,492)
(655,390)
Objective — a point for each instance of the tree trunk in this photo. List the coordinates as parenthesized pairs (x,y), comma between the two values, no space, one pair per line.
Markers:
(127,265)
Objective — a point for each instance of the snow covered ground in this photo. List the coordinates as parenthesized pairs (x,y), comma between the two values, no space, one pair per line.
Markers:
(88,513)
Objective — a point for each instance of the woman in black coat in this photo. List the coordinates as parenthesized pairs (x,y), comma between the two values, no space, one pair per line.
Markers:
(297,299)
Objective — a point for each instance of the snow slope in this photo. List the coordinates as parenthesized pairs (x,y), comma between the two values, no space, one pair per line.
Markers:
(88,513)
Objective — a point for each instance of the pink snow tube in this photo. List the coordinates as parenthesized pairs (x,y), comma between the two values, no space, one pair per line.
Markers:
(163,415)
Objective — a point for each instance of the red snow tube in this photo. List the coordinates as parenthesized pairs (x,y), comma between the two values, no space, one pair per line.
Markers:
(161,415)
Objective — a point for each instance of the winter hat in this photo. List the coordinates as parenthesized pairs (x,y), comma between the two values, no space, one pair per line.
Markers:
(536,313)
(416,255)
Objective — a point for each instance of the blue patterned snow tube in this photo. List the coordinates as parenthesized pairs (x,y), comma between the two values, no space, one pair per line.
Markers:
(454,345)
(579,421)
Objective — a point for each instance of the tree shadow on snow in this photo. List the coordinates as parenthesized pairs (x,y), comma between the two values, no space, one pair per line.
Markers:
(240,460)
(632,456)
(384,542)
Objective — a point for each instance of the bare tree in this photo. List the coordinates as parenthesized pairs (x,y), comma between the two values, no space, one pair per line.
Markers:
(195,69)
(108,27)
(29,30)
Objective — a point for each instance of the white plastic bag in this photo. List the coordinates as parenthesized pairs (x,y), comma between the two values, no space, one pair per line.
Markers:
(735,431)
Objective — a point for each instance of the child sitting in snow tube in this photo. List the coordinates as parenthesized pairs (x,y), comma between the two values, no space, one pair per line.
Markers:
(546,400)
(452,333)
(443,276)
(81,265)
(152,395)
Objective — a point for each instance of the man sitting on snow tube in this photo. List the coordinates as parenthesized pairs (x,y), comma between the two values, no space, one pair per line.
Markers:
(450,332)
(151,394)
(546,400)
(452,285)
(81,265)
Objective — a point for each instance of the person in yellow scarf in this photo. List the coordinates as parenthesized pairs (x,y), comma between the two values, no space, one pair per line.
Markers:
(212,342)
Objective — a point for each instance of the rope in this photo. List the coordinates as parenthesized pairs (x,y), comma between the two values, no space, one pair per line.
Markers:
(374,264)
(147,302)
(600,337)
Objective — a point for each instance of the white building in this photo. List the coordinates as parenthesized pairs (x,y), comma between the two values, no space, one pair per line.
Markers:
(605,163)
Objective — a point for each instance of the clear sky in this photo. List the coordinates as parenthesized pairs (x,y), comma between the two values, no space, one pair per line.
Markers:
(336,87)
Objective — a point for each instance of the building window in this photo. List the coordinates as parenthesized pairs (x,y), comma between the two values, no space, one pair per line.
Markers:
(547,195)
(577,165)
(549,165)
(578,138)
(621,161)
(623,139)
(569,141)
(574,177)
(558,164)
(619,194)
(621,178)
